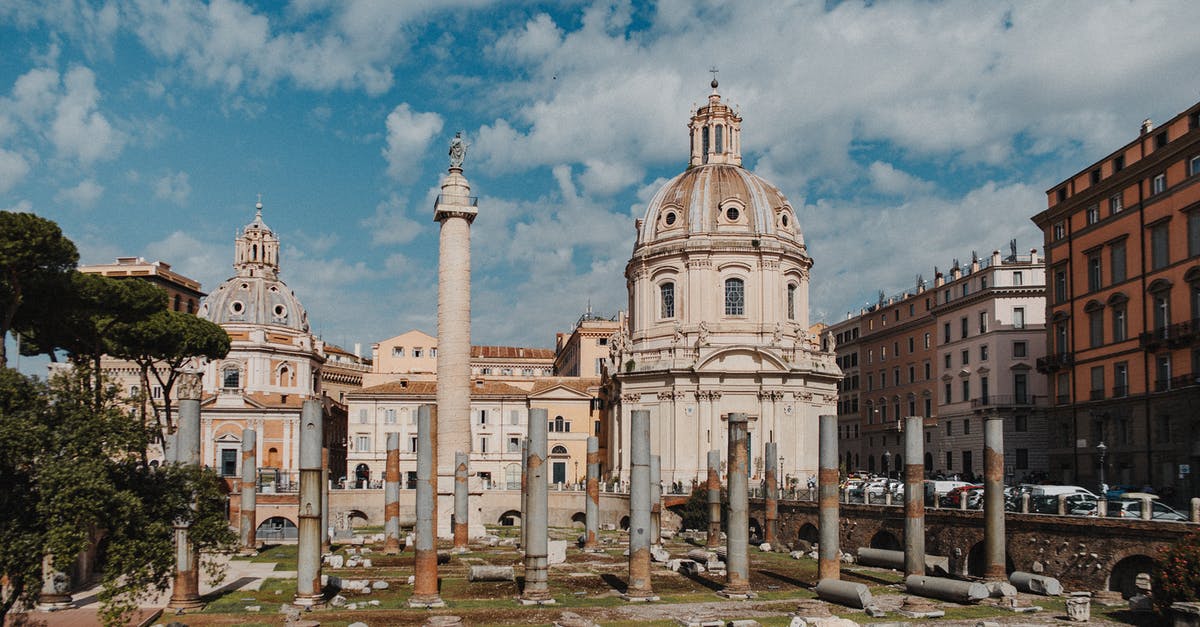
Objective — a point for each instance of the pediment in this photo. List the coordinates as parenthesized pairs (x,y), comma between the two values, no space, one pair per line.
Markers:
(742,359)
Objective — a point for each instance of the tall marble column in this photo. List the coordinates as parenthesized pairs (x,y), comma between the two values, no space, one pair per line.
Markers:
(249,486)
(308,553)
(455,209)
(186,592)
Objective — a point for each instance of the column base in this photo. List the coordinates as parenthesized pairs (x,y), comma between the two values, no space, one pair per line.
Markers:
(53,603)
(247,552)
(639,597)
(184,604)
(737,595)
(536,601)
(459,550)
(311,601)
(426,602)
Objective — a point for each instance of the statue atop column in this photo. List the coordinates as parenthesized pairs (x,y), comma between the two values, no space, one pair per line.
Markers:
(458,150)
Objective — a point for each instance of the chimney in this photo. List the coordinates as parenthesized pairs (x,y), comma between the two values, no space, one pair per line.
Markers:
(1033,256)
(358,349)
(1147,126)
(995,257)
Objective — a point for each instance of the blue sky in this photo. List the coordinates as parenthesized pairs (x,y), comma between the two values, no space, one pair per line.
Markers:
(906,134)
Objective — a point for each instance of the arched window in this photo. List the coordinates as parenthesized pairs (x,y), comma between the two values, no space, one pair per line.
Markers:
(231,378)
(791,301)
(666,293)
(704,144)
(558,450)
(512,476)
(720,143)
(735,297)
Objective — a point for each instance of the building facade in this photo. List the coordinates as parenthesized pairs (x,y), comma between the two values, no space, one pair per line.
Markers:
(718,317)
(584,351)
(1122,241)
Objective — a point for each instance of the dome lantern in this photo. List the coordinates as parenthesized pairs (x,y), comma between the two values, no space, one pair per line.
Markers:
(715,131)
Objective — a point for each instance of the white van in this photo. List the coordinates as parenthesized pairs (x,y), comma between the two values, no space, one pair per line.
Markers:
(935,490)
(1055,490)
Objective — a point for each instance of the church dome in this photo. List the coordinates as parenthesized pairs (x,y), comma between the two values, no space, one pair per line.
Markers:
(716,195)
(256,295)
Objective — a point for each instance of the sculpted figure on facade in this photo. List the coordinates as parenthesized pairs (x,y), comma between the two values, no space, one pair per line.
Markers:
(702,333)
(458,150)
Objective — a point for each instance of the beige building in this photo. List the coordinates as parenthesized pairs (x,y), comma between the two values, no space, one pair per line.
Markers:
(183,293)
(718,316)
(413,354)
(584,351)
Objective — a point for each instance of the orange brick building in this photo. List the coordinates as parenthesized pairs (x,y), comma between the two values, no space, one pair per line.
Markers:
(1122,241)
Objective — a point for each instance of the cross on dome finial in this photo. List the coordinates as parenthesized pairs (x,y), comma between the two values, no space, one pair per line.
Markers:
(258,206)
(714,71)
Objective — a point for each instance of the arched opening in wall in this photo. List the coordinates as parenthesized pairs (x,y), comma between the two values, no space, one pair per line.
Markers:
(870,464)
(898,465)
(511,518)
(356,518)
(624,523)
(579,519)
(362,475)
(276,528)
(849,461)
(977,561)
(755,531)
(1124,575)
(928,462)
(808,536)
(886,540)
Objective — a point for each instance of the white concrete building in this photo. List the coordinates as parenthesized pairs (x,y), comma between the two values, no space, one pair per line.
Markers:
(718,316)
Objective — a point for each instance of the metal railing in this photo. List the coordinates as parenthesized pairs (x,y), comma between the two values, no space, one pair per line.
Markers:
(1008,400)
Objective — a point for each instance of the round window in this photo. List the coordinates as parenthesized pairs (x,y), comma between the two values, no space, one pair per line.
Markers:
(670,219)
(244,286)
(732,214)
(784,219)
(280,311)
(236,307)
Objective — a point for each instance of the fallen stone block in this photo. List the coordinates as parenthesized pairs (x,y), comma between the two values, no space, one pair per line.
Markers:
(253,608)
(796,555)
(357,624)
(379,585)
(688,567)
(765,547)
(337,600)
(659,554)
(366,563)
(571,619)
(556,552)
(850,594)
(1001,589)
(484,572)
(1035,584)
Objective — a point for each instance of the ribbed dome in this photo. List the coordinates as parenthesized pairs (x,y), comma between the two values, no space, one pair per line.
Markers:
(256,295)
(718,199)
(257,301)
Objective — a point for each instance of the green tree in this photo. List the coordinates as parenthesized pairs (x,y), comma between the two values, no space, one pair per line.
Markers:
(32,250)
(1177,577)
(74,475)
(160,345)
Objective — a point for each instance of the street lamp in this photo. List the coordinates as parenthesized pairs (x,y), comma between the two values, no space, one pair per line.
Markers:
(1102,450)
(887,463)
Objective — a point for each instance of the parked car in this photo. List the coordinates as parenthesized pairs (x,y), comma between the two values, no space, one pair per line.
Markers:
(1128,508)
(936,489)
(953,497)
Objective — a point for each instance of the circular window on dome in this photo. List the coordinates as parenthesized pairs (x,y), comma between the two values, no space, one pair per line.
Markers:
(670,219)
(732,214)
(244,286)
(237,307)
(785,220)
(280,311)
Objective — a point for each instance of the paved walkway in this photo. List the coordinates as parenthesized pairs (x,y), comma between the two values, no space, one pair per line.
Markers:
(239,575)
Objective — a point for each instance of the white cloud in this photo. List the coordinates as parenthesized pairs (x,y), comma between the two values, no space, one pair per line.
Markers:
(84,195)
(391,224)
(203,260)
(888,180)
(79,130)
(173,187)
(13,168)
(408,137)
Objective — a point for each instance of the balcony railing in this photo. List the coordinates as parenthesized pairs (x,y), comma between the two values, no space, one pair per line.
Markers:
(1008,400)
(1185,381)
(1096,395)
(1172,336)
(1121,391)
(1053,362)
(1062,399)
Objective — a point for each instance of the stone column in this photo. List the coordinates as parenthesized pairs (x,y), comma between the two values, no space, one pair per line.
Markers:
(249,485)
(714,500)
(914,496)
(591,540)
(308,558)
(829,550)
(326,533)
(391,496)
(537,589)
(455,209)
(186,592)
(655,500)
(461,507)
(737,532)
(425,580)
(993,498)
(771,494)
(639,588)
(525,490)
(56,587)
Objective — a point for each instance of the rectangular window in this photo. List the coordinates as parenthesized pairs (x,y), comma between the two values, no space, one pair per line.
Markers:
(1060,285)
(1097,374)
(412,444)
(983,282)
(983,353)
(949,428)
(1118,320)
(229,462)
(947,393)
(1118,163)
(911,345)
(1193,233)
(1093,214)
(1060,338)
(966,357)
(1060,231)
(666,293)
(389,416)
(927,339)
(946,333)
(966,426)
(1018,278)
(946,360)
(362,443)
(949,460)
(1063,388)
(1021,423)
(963,326)
(432,352)
(983,322)
(362,416)
(1094,272)
(483,417)
(966,390)
(1096,328)
(514,445)
(1194,166)
(928,410)
(397,351)
(416,352)
(1116,256)
(882,353)
(1022,462)
(1018,317)
(1162,311)
(1115,204)
(912,374)
(1158,184)
(896,376)
(1121,379)
(735,297)
(483,444)
(1020,387)
(927,368)
(1020,349)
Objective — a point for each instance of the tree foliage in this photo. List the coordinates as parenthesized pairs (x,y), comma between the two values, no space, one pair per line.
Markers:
(1177,577)
(161,344)
(33,250)
(74,475)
